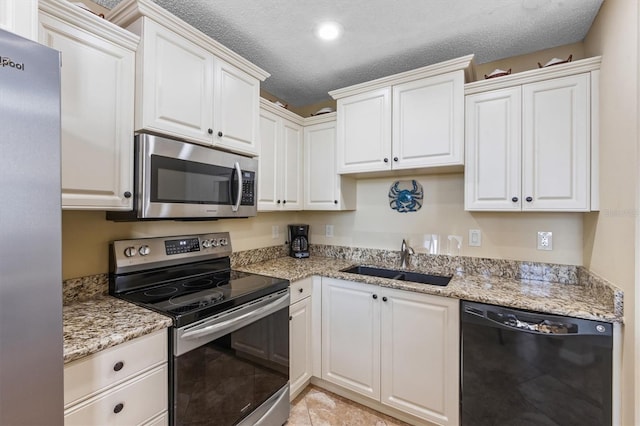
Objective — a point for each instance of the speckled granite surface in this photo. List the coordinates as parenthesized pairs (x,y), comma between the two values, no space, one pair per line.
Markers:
(94,321)
(92,325)
(593,300)
(84,288)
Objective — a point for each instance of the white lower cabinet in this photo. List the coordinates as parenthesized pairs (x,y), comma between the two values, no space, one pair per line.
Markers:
(300,336)
(397,347)
(419,357)
(123,385)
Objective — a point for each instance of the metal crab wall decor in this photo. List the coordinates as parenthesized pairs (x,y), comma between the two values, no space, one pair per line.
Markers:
(406,196)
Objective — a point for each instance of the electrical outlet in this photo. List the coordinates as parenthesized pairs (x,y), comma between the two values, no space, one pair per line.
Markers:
(545,240)
(475,238)
(328,231)
(275,232)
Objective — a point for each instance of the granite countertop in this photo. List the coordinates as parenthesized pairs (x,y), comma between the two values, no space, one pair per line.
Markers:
(90,326)
(576,300)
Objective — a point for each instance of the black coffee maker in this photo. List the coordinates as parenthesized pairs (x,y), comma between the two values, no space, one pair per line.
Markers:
(299,241)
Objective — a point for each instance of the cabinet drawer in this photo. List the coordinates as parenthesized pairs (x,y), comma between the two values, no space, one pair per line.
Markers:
(87,376)
(137,401)
(161,420)
(300,289)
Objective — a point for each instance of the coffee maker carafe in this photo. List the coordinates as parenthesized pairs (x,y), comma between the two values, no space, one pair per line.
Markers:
(299,241)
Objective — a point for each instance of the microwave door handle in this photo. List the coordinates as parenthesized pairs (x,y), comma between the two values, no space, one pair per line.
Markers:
(236,206)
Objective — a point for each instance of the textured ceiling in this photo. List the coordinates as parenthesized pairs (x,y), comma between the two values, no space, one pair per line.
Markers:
(381,37)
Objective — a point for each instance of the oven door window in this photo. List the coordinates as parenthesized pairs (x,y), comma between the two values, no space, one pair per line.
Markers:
(223,381)
(189,182)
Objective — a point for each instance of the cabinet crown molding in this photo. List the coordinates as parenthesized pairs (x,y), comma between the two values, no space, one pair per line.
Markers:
(282,112)
(319,119)
(87,21)
(128,11)
(535,75)
(463,63)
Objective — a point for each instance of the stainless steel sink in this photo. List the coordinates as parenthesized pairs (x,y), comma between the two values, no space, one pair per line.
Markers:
(414,277)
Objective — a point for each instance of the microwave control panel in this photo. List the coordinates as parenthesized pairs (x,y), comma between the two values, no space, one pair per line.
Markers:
(248,188)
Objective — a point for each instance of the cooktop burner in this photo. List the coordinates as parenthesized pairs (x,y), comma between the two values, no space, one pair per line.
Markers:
(187,277)
(188,300)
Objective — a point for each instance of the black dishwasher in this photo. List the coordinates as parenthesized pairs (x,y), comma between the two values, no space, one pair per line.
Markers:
(526,368)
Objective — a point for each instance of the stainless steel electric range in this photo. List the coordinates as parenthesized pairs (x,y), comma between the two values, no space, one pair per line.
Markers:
(229,344)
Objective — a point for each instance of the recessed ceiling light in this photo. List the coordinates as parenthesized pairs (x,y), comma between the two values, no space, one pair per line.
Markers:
(328,31)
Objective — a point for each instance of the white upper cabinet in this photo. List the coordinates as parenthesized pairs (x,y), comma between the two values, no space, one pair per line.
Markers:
(428,122)
(530,146)
(236,109)
(97,98)
(188,85)
(364,132)
(280,164)
(555,144)
(410,120)
(20,17)
(175,85)
(324,188)
(493,152)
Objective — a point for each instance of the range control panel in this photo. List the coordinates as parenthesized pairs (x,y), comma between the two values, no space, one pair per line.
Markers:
(145,253)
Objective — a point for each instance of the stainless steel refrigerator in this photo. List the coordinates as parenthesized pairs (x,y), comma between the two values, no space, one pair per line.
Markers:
(31,360)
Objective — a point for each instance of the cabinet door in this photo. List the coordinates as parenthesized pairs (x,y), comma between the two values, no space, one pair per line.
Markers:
(268,175)
(236,109)
(493,156)
(428,122)
(556,144)
(20,17)
(291,166)
(420,355)
(321,187)
(364,132)
(351,336)
(300,345)
(177,86)
(97,116)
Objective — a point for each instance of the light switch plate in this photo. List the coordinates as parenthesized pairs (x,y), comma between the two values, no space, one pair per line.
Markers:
(545,240)
(475,238)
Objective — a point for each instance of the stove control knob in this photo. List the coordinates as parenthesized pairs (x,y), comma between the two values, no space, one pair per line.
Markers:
(214,243)
(206,243)
(223,242)
(144,250)
(130,251)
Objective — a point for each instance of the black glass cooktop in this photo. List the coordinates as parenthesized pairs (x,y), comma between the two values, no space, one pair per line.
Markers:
(188,300)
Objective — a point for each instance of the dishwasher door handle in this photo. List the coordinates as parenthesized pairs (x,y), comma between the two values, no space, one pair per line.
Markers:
(532,322)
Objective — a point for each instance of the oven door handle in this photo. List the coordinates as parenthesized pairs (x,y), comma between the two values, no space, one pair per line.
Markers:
(236,206)
(245,318)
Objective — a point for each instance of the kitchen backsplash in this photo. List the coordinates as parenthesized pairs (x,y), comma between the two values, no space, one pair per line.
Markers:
(83,288)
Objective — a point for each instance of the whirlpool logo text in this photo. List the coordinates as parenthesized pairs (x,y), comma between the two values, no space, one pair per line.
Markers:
(8,62)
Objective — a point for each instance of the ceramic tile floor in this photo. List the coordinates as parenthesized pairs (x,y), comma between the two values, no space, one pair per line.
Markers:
(318,407)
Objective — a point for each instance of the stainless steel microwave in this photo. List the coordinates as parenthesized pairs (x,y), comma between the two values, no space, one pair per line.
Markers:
(180,180)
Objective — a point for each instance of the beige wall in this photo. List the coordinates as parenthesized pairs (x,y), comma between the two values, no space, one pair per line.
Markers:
(504,235)
(86,236)
(610,235)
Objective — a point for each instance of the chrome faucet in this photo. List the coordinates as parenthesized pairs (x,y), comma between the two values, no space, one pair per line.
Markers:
(405,253)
